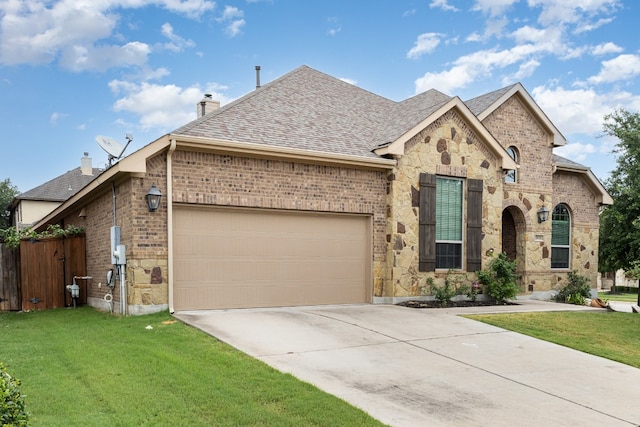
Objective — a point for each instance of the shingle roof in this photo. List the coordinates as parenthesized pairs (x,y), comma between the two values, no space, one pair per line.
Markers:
(307,109)
(480,103)
(60,188)
(562,161)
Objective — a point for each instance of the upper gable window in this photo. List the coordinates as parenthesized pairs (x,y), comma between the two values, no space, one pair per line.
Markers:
(512,176)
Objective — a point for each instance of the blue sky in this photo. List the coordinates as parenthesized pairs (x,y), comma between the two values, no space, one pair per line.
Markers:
(74,69)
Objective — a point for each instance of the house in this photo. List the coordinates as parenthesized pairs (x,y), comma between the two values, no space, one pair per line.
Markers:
(28,207)
(310,190)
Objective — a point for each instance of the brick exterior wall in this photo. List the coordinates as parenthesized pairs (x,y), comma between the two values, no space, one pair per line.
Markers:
(225,180)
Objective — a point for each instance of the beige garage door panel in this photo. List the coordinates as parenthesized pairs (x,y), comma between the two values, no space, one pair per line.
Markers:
(227,258)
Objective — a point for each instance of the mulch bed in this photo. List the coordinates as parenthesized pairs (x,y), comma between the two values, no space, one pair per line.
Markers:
(450,304)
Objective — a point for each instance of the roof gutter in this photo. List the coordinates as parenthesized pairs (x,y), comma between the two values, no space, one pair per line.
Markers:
(595,184)
(260,150)
(133,164)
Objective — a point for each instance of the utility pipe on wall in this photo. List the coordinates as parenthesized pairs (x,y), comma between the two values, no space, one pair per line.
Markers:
(172,148)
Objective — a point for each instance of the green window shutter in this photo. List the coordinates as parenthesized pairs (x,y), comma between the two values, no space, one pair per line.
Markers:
(474,224)
(427,225)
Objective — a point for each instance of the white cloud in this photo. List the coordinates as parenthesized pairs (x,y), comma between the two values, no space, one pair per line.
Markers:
(350,81)
(232,17)
(573,11)
(425,43)
(606,48)
(493,7)
(444,5)
(623,67)
(581,111)
(163,107)
(43,31)
(479,64)
(55,116)
(176,43)
(334,26)
(100,58)
(575,151)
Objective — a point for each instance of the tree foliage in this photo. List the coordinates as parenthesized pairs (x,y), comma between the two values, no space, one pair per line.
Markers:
(620,222)
(7,192)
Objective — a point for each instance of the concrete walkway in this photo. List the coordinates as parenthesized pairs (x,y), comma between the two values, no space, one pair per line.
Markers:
(431,367)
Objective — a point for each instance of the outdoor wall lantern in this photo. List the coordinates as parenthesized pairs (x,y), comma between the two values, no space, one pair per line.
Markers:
(153,198)
(543,214)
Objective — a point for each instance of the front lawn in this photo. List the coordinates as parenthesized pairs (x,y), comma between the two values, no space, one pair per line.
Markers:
(86,368)
(611,335)
(621,296)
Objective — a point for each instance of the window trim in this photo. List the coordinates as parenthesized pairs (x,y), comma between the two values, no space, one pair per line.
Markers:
(463,223)
(513,152)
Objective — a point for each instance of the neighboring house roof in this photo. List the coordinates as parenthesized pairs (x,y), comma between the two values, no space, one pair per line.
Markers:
(482,106)
(58,189)
(560,163)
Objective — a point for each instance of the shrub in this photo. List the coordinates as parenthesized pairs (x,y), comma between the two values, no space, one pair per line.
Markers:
(576,290)
(452,286)
(499,280)
(12,410)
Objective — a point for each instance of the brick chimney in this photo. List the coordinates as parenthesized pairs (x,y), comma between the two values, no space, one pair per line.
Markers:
(86,168)
(207,105)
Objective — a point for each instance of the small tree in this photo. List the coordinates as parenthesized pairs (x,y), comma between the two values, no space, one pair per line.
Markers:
(576,290)
(620,223)
(7,193)
(499,280)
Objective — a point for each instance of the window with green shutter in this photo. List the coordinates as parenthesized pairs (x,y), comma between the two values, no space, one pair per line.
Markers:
(560,237)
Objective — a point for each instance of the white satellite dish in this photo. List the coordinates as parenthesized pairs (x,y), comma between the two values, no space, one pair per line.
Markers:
(114,149)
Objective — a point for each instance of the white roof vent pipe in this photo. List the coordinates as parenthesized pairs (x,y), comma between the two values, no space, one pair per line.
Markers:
(257,77)
(86,167)
(207,105)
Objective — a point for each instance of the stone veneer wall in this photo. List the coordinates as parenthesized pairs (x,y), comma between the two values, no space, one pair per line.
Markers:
(447,147)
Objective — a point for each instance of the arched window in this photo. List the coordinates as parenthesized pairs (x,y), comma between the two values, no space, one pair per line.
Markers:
(560,237)
(512,176)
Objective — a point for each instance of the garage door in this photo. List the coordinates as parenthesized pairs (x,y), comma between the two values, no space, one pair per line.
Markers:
(233,258)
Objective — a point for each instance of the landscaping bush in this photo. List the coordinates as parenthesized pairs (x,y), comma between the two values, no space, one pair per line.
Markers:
(576,290)
(453,285)
(12,411)
(499,281)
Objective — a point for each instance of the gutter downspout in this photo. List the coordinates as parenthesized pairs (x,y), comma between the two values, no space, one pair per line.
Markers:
(172,148)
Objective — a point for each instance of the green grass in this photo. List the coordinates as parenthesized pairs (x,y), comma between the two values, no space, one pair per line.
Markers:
(622,296)
(86,368)
(615,336)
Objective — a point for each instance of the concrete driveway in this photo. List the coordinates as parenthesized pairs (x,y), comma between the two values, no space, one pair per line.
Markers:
(411,367)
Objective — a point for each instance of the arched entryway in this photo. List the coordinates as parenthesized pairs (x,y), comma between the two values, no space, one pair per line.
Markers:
(513,237)
(509,235)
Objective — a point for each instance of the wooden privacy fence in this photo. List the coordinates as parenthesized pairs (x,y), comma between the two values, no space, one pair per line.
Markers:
(9,279)
(44,268)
